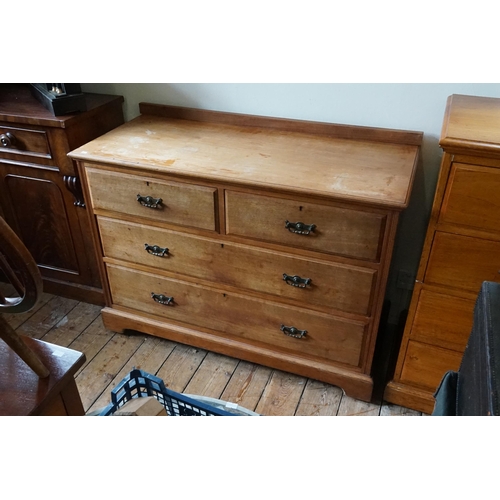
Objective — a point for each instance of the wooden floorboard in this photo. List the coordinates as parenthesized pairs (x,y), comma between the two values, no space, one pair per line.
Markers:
(111,356)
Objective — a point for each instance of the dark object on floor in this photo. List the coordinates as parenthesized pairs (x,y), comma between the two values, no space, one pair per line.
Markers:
(474,391)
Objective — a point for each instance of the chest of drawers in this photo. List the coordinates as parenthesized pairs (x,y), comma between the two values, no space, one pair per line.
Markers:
(461,251)
(264,239)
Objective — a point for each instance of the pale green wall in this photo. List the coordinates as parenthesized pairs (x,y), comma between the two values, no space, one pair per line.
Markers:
(406,106)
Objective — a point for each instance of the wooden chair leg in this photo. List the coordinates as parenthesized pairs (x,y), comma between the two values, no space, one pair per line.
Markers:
(12,339)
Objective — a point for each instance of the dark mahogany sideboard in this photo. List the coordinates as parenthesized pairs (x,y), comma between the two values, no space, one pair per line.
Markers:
(40,193)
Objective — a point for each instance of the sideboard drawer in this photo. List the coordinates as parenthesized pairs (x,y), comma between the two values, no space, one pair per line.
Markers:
(327,337)
(338,231)
(172,202)
(24,141)
(336,286)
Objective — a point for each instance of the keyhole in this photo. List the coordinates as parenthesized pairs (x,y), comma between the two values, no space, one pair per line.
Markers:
(300,209)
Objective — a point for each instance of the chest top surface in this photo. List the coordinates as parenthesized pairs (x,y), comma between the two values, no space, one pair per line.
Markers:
(471,122)
(351,169)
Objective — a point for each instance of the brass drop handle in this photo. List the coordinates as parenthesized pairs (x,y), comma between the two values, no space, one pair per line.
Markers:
(291,331)
(296,281)
(162,299)
(149,201)
(300,227)
(7,140)
(156,250)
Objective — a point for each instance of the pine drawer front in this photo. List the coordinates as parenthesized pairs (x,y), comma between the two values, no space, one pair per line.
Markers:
(426,364)
(338,231)
(463,262)
(170,202)
(23,141)
(306,281)
(442,319)
(256,320)
(472,198)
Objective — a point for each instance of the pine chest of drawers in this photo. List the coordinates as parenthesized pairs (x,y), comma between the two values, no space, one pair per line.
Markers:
(461,251)
(264,239)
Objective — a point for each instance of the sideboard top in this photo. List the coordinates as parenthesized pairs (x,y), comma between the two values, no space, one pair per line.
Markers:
(349,163)
(471,123)
(18,105)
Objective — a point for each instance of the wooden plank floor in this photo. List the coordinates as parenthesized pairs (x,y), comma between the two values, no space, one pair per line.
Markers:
(111,356)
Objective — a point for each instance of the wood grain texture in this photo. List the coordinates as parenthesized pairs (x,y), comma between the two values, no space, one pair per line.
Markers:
(350,407)
(212,375)
(228,190)
(460,251)
(283,124)
(340,231)
(35,199)
(246,385)
(187,205)
(149,357)
(462,205)
(362,171)
(177,364)
(24,393)
(333,286)
(470,125)
(281,395)
(245,318)
(319,399)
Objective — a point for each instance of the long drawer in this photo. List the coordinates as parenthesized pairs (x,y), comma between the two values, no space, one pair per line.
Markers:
(171,202)
(335,286)
(338,231)
(327,337)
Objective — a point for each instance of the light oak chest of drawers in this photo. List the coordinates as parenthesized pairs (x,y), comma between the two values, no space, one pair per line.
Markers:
(461,250)
(264,239)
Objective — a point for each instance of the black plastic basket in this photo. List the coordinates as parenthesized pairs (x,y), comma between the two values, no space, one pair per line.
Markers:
(138,384)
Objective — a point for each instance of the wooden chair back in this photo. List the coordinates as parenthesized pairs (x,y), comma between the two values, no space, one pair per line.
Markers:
(21,271)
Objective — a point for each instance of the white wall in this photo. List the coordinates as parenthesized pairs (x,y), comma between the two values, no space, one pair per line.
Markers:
(418,107)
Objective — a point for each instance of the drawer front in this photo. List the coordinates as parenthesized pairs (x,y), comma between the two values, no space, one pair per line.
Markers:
(181,204)
(425,365)
(471,198)
(442,319)
(23,141)
(338,231)
(336,286)
(462,261)
(233,314)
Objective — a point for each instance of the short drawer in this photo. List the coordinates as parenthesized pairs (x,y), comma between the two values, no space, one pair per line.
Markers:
(307,281)
(463,262)
(471,198)
(172,202)
(425,365)
(442,319)
(231,314)
(338,231)
(23,141)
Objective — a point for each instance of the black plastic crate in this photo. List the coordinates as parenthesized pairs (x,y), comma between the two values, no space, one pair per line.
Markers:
(138,384)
